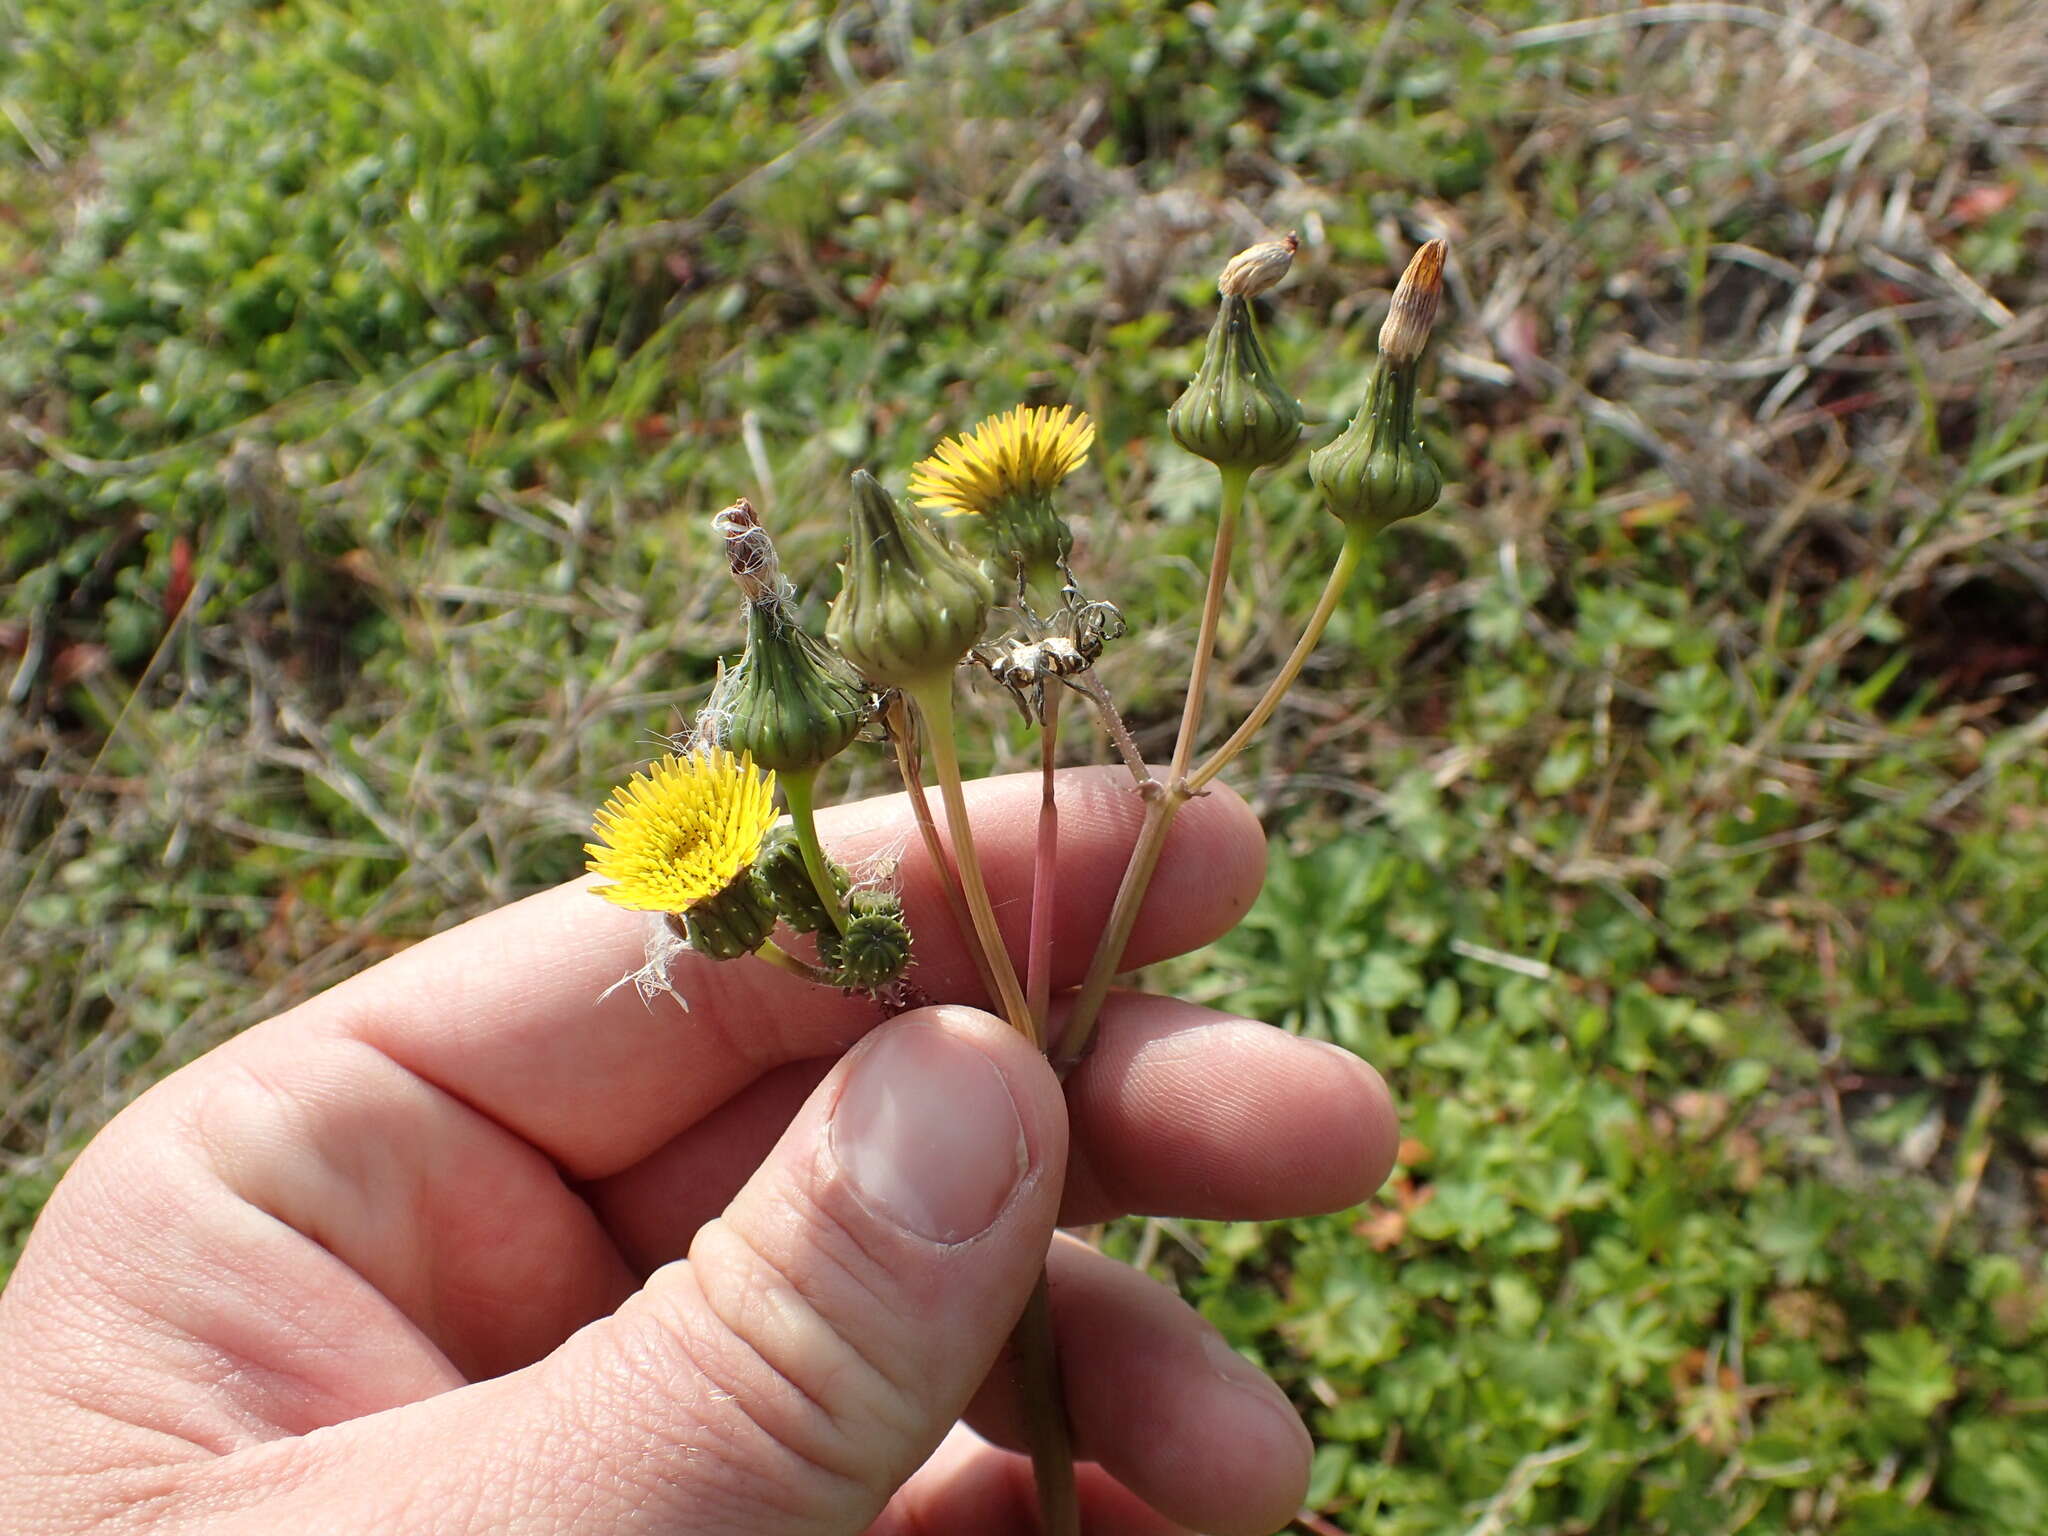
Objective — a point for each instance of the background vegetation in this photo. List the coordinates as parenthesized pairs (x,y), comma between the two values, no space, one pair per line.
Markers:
(1672,830)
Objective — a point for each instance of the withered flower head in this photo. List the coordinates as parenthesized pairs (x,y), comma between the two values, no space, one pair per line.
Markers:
(749,552)
(1254,270)
(789,703)
(1416,297)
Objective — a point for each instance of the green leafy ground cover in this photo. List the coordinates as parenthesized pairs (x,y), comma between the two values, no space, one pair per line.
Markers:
(1666,819)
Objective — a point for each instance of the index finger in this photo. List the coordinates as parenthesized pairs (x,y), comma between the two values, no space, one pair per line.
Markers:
(509,1012)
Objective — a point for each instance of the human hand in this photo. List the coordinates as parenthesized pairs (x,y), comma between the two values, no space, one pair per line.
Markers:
(411,1257)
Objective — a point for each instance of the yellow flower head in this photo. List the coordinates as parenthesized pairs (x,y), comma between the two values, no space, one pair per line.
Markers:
(683,831)
(1026,451)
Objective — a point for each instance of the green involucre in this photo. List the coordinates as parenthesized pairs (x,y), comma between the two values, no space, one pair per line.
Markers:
(910,608)
(1234,412)
(735,922)
(1020,535)
(790,702)
(784,881)
(1379,471)
(875,949)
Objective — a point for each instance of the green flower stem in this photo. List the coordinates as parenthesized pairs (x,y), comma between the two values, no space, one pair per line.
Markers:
(1340,577)
(799,789)
(1233,479)
(903,732)
(1123,917)
(1160,810)
(783,960)
(934,700)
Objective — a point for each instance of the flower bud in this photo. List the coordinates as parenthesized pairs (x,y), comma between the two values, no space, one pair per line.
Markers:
(910,609)
(790,703)
(875,949)
(1234,412)
(735,922)
(784,882)
(1380,471)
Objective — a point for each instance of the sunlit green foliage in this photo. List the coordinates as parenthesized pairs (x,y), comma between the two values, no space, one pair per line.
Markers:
(1674,837)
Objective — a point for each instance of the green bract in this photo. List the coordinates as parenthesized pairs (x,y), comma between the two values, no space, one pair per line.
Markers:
(876,945)
(1379,471)
(1234,412)
(789,702)
(1021,534)
(910,608)
(784,882)
(735,922)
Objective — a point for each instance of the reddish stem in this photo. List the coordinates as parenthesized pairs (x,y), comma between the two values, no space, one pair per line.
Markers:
(1044,876)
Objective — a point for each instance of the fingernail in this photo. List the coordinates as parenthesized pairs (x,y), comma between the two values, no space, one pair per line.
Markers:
(929,1135)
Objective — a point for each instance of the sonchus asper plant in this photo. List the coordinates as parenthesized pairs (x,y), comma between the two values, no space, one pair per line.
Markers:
(696,839)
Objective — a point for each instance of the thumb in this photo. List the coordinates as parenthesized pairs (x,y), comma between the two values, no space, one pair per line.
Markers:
(818,1342)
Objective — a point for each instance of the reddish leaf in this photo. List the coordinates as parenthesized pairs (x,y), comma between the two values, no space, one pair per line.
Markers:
(178,589)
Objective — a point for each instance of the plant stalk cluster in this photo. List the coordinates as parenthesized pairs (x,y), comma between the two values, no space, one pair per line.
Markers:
(912,608)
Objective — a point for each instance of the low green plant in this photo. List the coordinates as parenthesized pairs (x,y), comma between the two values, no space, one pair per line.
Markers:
(1715,700)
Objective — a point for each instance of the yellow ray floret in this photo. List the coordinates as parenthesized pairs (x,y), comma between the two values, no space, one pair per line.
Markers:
(1026,450)
(682,831)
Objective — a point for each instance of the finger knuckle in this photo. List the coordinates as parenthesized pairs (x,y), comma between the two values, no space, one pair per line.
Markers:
(786,1422)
